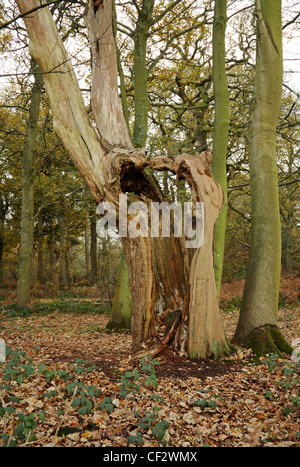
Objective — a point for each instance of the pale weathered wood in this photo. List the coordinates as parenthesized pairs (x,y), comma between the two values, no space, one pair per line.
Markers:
(70,118)
(164,275)
(105,100)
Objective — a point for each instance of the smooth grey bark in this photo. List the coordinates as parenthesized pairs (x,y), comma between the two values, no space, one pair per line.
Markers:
(87,248)
(40,252)
(3,211)
(258,321)
(93,248)
(141,74)
(221,130)
(27,219)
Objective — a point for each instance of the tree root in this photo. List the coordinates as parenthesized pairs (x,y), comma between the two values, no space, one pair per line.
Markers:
(161,345)
(268,339)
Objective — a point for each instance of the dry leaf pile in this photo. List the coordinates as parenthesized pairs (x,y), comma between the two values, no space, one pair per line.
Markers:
(233,402)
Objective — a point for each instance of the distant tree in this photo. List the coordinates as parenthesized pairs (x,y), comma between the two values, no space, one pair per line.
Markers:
(221,130)
(28,175)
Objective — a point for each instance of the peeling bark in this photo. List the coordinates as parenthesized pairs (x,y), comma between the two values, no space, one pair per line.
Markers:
(105,101)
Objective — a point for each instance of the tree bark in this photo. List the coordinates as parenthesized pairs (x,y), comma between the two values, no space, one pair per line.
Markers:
(120,317)
(112,127)
(259,311)
(27,220)
(3,210)
(87,248)
(40,246)
(63,268)
(221,130)
(93,249)
(139,139)
(141,102)
(169,282)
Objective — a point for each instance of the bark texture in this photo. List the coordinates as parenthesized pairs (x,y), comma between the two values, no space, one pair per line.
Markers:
(27,218)
(3,211)
(221,129)
(120,317)
(173,287)
(141,102)
(260,300)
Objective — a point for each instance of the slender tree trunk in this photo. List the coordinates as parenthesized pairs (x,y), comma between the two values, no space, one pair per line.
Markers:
(221,130)
(1,260)
(120,317)
(287,264)
(120,71)
(87,249)
(3,210)
(40,245)
(27,221)
(258,323)
(141,101)
(63,239)
(51,243)
(93,248)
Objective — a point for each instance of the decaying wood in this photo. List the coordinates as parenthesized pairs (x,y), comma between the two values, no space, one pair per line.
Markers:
(154,351)
(105,101)
(163,273)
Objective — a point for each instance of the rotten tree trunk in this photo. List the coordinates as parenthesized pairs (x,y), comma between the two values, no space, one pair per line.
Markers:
(173,287)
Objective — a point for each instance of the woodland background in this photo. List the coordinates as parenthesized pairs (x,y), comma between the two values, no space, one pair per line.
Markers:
(74,269)
(181,120)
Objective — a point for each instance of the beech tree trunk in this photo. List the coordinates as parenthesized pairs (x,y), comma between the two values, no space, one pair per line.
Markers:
(27,220)
(258,323)
(93,247)
(3,210)
(221,129)
(120,317)
(173,287)
(141,103)
(40,252)
(87,248)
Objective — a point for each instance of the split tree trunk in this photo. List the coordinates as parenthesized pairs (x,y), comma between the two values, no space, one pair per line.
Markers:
(258,323)
(121,303)
(171,285)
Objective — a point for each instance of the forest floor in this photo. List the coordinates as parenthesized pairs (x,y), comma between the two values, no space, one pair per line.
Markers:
(70,382)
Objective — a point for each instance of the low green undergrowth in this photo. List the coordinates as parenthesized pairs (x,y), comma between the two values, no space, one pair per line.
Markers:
(289,379)
(70,387)
(60,306)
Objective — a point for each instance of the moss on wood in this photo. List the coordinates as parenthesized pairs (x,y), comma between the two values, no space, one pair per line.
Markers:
(268,339)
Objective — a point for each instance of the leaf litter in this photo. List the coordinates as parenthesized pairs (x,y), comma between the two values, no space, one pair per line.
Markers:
(83,388)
